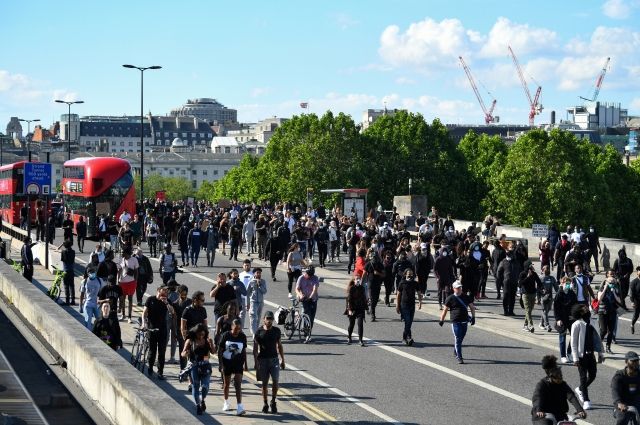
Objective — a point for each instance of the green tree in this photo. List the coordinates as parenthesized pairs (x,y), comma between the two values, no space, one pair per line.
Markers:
(485,157)
(176,188)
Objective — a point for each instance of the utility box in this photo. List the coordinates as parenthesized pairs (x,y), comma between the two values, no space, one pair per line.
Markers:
(405,204)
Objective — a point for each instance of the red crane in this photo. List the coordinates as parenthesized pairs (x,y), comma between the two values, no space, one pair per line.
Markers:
(599,80)
(488,114)
(535,106)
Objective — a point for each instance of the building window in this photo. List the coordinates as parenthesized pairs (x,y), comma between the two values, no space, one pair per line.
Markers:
(194,184)
(137,144)
(113,143)
(130,144)
(185,135)
(215,172)
(225,172)
(166,134)
(157,134)
(171,172)
(194,172)
(183,172)
(121,143)
(227,150)
(175,134)
(204,172)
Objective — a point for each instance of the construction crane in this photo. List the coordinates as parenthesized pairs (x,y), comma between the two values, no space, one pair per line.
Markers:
(599,80)
(535,106)
(488,114)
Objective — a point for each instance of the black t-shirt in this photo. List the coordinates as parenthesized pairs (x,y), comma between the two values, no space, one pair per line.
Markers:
(459,312)
(407,293)
(194,315)
(157,311)
(113,294)
(180,306)
(106,268)
(370,268)
(231,350)
(225,294)
(267,340)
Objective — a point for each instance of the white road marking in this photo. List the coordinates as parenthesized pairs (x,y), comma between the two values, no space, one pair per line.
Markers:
(398,352)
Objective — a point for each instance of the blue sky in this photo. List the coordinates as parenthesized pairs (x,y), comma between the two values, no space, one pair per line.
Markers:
(265,57)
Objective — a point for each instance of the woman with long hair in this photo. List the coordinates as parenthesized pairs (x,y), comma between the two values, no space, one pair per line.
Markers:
(197,348)
(295,261)
(356,307)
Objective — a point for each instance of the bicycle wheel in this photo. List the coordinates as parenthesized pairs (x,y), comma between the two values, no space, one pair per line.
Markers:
(143,354)
(54,291)
(135,351)
(304,327)
(289,325)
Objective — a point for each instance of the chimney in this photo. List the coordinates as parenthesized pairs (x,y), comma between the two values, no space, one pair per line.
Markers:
(553,117)
(177,123)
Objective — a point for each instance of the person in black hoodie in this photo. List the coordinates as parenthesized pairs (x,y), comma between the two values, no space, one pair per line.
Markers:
(551,395)
(560,252)
(507,274)
(623,267)
(356,307)
(624,389)
(108,328)
(497,256)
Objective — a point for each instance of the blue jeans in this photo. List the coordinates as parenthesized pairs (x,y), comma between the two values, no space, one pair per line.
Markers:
(564,350)
(195,253)
(459,332)
(407,314)
(199,381)
(90,311)
(309,307)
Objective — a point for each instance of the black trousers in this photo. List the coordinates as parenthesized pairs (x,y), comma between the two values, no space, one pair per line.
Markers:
(388,288)
(153,245)
(352,258)
(624,288)
(158,346)
(359,317)
(141,288)
(40,231)
(587,368)
(81,243)
(322,252)
(69,287)
(374,292)
(335,250)
(509,298)
(636,313)
(27,272)
(274,260)
(294,275)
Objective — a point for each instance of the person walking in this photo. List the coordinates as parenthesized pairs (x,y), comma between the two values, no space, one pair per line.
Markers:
(443,269)
(507,276)
(266,348)
(562,306)
(463,312)
(549,287)
(551,394)
(585,343)
(129,275)
(107,328)
(154,316)
(151,232)
(168,264)
(81,232)
(256,291)
(223,293)
(183,243)
(307,293)
(356,308)
(373,276)
(634,295)
(608,301)
(406,303)
(194,238)
(529,284)
(624,388)
(295,261)
(623,266)
(89,290)
(212,244)
(273,251)
(68,258)
(232,352)
(145,275)
(198,348)
(26,259)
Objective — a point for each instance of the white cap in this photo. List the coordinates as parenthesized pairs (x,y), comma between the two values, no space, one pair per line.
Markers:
(423,245)
(457,284)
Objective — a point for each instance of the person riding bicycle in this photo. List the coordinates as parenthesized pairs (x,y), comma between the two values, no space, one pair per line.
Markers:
(625,388)
(551,395)
(307,292)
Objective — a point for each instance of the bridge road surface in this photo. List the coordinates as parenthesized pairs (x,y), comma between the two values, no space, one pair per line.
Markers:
(387,382)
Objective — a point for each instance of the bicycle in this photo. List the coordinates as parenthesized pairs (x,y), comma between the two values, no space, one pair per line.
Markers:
(140,348)
(54,291)
(297,320)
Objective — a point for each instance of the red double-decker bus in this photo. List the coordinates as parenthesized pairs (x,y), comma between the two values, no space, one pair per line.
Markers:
(92,187)
(12,197)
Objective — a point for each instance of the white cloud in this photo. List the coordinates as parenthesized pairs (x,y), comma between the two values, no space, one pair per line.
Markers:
(424,42)
(10,81)
(616,9)
(64,94)
(577,72)
(522,38)
(635,104)
(404,81)
(345,21)
(260,91)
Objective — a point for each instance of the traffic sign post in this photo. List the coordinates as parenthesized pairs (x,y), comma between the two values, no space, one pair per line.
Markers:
(37,181)
(539,230)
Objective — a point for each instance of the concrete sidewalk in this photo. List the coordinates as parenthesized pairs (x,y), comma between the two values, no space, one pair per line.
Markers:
(291,409)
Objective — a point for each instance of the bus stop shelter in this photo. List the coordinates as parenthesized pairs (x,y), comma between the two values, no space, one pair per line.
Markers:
(354,201)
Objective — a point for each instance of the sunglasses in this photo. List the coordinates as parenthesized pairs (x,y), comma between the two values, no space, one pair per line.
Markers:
(269,319)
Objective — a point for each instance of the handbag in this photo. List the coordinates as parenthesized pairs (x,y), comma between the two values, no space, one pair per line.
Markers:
(595,305)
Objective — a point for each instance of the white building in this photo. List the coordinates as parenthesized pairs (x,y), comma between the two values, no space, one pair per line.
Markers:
(598,115)
(370,115)
(225,145)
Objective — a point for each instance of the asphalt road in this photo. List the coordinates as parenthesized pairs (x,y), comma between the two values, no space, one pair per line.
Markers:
(423,384)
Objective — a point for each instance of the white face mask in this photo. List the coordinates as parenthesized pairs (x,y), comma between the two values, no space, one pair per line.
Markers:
(444,253)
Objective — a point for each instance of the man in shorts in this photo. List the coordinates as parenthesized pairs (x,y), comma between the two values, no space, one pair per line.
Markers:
(267,345)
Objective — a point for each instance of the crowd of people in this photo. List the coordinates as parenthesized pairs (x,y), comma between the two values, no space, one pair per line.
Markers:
(379,250)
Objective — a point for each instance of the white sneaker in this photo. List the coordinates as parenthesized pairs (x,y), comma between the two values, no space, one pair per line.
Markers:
(579,394)
(290,296)
(564,360)
(226,406)
(586,405)
(541,326)
(240,410)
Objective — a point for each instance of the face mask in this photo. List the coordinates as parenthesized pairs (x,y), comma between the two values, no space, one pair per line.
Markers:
(477,248)
(566,288)
(92,276)
(508,258)
(444,253)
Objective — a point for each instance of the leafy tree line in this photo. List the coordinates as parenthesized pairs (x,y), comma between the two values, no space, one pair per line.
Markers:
(543,177)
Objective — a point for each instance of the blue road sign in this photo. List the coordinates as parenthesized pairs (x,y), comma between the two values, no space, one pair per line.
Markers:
(37,178)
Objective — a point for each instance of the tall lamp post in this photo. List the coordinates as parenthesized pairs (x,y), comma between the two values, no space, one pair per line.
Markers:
(69,125)
(142,69)
(29,131)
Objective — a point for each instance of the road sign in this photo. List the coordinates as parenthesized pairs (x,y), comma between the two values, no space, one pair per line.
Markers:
(539,230)
(37,178)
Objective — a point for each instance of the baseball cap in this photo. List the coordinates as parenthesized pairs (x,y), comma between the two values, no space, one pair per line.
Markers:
(386,224)
(268,315)
(631,355)
(457,284)
(423,246)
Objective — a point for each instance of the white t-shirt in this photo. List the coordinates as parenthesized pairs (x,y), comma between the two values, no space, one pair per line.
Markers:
(245,277)
(124,218)
(130,264)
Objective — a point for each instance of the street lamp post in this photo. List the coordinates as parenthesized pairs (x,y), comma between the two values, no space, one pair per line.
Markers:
(69,125)
(29,131)
(142,69)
